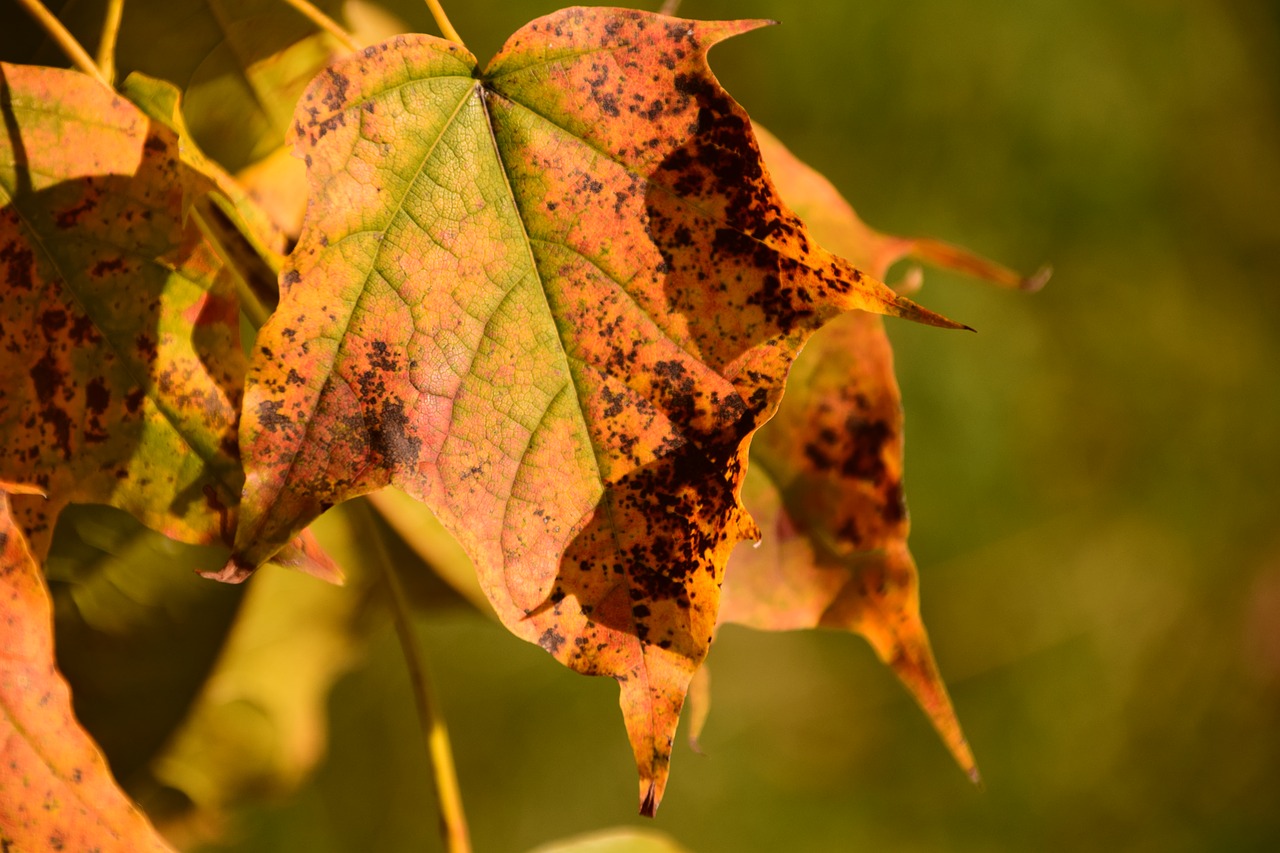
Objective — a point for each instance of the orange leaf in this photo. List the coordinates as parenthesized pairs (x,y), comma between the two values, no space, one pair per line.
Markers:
(120,359)
(552,300)
(107,393)
(56,792)
(826,478)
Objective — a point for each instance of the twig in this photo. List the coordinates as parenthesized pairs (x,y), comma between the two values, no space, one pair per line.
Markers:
(453,822)
(107,43)
(669,7)
(67,42)
(324,22)
(442,21)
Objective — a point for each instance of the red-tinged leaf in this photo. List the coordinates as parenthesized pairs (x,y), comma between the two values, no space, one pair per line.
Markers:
(553,301)
(56,792)
(120,360)
(826,477)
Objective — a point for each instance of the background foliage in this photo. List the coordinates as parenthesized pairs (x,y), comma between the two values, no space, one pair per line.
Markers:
(1094,478)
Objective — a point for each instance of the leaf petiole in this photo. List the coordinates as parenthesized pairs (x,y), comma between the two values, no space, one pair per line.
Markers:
(453,821)
(442,21)
(324,22)
(67,42)
(107,43)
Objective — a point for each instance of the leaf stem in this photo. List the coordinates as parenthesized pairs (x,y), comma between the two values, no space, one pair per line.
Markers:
(442,21)
(107,43)
(324,22)
(67,42)
(453,822)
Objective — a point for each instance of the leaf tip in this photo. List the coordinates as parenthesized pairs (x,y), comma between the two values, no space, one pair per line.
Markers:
(237,570)
(649,802)
(1036,280)
(976,778)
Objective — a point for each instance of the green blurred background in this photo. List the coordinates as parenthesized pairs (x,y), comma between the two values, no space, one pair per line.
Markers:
(1094,477)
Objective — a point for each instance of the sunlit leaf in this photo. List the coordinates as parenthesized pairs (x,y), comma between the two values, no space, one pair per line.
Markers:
(553,301)
(120,359)
(121,368)
(826,473)
(56,792)
(614,841)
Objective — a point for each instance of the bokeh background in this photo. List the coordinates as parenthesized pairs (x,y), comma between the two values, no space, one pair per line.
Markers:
(1094,478)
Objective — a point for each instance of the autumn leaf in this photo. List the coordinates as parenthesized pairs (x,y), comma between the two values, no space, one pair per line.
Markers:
(56,792)
(241,66)
(120,359)
(826,473)
(121,367)
(243,234)
(552,300)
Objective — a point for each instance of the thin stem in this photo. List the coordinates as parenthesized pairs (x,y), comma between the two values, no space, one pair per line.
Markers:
(453,822)
(324,22)
(107,44)
(67,42)
(442,21)
(669,7)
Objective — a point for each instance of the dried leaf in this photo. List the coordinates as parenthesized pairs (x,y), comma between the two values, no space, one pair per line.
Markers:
(553,301)
(56,792)
(826,477)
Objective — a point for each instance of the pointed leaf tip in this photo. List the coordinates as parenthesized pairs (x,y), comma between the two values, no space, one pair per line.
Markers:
(1037,280)
(237,570)
(649,802)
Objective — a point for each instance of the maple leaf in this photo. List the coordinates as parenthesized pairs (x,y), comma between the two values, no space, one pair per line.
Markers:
(120,359)
(121,367)
(56,792)
(826,477)
(552,300)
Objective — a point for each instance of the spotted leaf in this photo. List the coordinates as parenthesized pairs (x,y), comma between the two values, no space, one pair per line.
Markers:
(826,473)
(56,792)
(120,359)
(121,366)
(553,300)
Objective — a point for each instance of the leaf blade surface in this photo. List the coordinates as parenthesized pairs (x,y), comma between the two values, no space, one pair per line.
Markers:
(552,301)
(120,362)
(56,791)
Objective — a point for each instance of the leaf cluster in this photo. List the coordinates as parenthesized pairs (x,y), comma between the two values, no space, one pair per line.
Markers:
(554,300)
